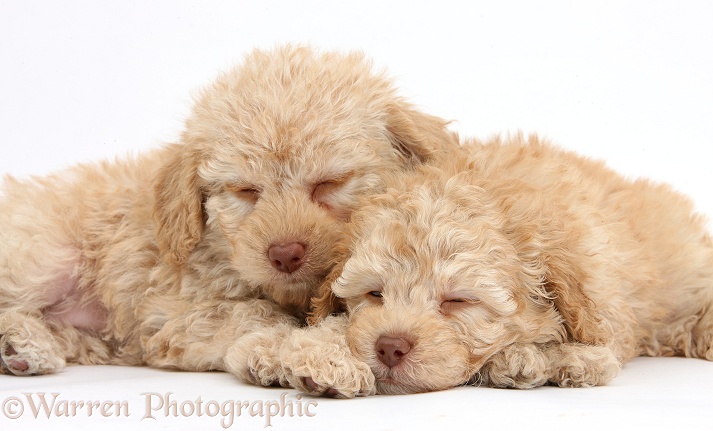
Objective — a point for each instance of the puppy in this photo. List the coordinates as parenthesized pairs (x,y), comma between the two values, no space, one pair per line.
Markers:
(518,266)
(200,254)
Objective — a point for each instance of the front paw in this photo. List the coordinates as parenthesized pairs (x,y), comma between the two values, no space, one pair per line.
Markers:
(255,359)
(318,361)
(328,371)
(520,366)
(315,388)
(582,366)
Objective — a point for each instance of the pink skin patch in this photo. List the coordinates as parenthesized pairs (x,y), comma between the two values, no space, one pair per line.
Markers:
(69,306)
(66,305)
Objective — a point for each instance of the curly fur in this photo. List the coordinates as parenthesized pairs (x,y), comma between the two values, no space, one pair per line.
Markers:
(517,265)
(162,259)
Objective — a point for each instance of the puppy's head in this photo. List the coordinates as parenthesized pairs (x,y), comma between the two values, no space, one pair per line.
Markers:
(274,159)
(439,277)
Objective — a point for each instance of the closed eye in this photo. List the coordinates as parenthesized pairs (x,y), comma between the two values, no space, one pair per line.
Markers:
(246,193)
(323,191)
(453,305)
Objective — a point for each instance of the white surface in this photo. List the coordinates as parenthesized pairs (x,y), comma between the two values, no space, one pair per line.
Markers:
(629,82)
(650,393)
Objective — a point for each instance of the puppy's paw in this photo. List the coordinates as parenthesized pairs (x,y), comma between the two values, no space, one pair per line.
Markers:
(318,361)
(24,357)
(330,374)
(255,359)
(582,366)
(520,366)
(315,388)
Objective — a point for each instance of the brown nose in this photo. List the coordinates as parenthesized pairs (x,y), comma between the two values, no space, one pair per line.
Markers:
(391,350)
(286,257)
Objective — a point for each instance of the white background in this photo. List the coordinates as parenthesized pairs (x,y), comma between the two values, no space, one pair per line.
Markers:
(630,82)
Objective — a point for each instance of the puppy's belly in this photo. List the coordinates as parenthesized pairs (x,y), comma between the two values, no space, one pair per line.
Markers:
(71,307)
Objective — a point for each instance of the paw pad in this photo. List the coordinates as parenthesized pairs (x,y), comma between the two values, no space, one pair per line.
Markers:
(14,365)
(315,388)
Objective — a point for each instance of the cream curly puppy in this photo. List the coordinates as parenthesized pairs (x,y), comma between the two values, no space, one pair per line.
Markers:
(518,266)
(200,255)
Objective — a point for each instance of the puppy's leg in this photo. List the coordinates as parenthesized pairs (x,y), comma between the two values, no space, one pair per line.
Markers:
(526,366)
(520,366)
(580,365)
(255,357)
(83,347)
(27,346)
(317,360)
(217,335)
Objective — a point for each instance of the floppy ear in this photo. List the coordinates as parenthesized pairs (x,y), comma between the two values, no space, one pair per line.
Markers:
(417,136)
(326,303)
(549,243)
(177,209)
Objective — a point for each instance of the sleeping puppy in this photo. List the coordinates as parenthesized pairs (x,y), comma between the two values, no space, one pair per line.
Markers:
(517,266)
(200,254)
